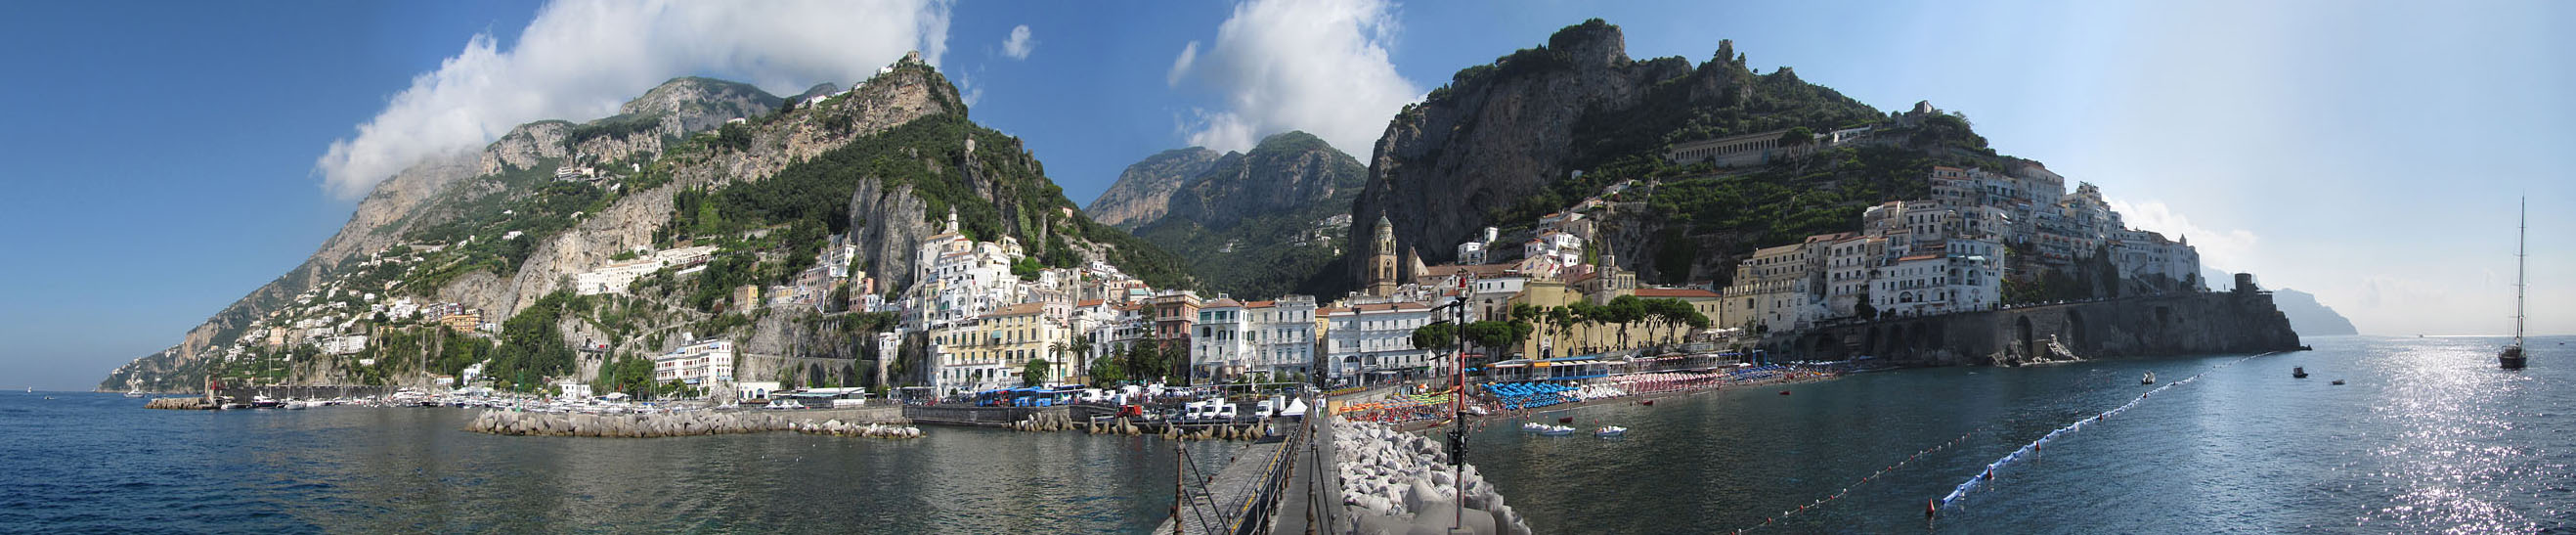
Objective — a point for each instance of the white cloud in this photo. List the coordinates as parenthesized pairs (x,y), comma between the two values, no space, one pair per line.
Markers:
(579,59)
(1019,45)
(2230,249)
(1181,65)
(967,91)
(1319,66)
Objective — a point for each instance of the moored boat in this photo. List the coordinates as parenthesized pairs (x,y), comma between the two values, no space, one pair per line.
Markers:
(2149,379)
(2298,372)
(1557,431)
(1610,431)
(2512,358)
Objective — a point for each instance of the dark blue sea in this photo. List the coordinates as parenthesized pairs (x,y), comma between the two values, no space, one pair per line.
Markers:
(2425,437)
(100,463)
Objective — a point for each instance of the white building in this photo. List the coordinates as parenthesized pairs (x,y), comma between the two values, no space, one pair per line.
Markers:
(1281,335)
(1562,248)
(616,277)
(344,345)
(1966,278)
(1849,263)
(1474,251)
(700,362)
(2148,256)
(1375,338)
(1777,289)
(1219,345)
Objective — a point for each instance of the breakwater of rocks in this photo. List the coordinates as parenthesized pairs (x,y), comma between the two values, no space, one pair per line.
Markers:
(502,422)
(1123,426)
(184,404)
(1396,482)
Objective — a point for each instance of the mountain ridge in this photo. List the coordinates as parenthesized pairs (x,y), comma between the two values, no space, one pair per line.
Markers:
(1262,222)
(509,224)
(1554,127)
(1143,191)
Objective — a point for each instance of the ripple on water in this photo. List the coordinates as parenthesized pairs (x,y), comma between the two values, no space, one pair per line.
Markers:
(2426,436)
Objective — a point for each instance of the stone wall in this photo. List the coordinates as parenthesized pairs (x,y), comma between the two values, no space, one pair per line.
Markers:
(2180,324)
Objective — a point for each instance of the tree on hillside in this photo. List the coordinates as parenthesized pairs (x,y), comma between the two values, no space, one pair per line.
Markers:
(1797,137)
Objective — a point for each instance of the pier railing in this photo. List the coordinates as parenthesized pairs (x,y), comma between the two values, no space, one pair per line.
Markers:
(1254,514)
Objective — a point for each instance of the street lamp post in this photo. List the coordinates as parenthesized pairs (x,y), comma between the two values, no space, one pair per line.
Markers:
(1458,405)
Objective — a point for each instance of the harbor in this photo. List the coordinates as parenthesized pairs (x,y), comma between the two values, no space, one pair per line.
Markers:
(1859,451)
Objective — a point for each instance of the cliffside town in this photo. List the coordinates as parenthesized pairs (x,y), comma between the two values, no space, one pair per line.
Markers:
(1560,207)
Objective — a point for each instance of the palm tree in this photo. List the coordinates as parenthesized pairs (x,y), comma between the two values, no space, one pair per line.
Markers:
(1080,347)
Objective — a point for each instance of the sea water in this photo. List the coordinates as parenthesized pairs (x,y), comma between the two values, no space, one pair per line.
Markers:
(2426,436)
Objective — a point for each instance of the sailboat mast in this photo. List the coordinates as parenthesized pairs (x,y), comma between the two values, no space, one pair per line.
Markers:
(2521,266)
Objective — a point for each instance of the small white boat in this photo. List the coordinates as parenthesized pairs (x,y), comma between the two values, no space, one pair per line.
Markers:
(1610,431)
(136,393)
(1534,427)
(297,405)
(1557,431)
(2148,380)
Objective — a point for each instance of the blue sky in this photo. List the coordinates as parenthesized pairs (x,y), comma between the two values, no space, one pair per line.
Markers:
(169,157)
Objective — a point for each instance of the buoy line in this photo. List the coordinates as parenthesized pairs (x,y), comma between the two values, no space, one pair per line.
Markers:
(2027,449)
(1909,459)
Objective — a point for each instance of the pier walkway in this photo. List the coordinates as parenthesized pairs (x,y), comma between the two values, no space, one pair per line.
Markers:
(1252,493)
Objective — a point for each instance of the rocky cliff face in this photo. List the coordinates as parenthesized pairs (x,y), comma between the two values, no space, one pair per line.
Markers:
(907,114)
(1144,191)
(526,146)
(693,104)
(378,222)
(887,223)
(890,100)
(417,197)
(1249,225)
(1497,134)
(1293,172)
(2311,317)
(2194,323)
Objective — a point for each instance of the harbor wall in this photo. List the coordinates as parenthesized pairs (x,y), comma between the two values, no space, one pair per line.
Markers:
(972,416)
(305,392)
(2173,324)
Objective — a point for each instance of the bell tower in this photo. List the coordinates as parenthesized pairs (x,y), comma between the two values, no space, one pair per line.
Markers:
(1382,264)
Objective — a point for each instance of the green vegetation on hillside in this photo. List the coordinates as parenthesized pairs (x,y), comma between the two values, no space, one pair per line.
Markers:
(929,155)
(1256,247)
